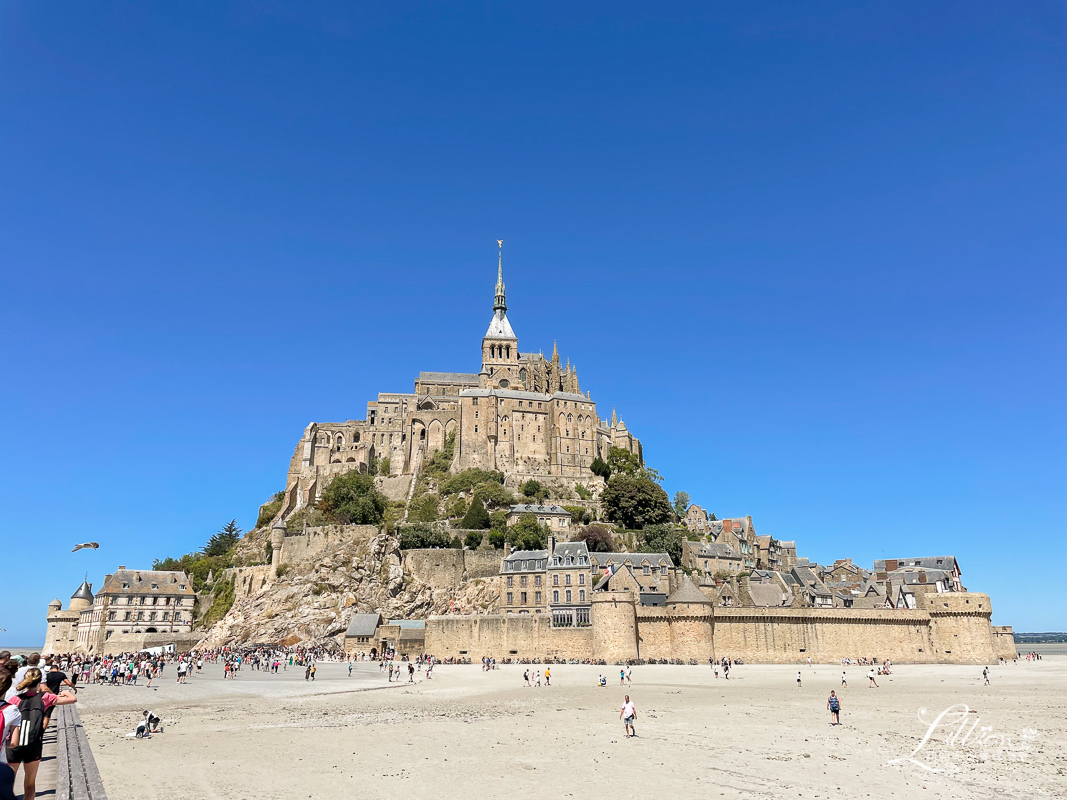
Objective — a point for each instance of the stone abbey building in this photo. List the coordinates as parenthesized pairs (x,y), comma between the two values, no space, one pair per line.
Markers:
(522,413)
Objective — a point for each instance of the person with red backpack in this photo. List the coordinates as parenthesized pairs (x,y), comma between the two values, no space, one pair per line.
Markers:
(27,740)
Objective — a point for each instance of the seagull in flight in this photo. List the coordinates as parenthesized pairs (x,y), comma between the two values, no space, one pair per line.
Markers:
(86,545)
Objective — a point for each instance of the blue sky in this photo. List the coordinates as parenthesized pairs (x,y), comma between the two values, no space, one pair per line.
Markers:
(815,257)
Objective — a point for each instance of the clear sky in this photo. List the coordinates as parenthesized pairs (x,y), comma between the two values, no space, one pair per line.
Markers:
(814,256)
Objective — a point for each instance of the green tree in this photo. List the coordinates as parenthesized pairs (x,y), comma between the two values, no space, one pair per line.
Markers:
(527,533)
(498,538)
(498,520)
(476,518)
(579,514)
(681,503)
(534,489)
(583,493)
(220,543)
(635,501)
(415,537)
(352,499)
(712,517)
(662,539)
(425,508)
(600,467)
(598,538)
(496,496)
(623,462)
(473,540)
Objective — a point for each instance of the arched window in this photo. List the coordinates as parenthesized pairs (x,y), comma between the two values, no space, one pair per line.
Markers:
(570,418)
(522,375)
(507,349)
(340,440)
(492,351)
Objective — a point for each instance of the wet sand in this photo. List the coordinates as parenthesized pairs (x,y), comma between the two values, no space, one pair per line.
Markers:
(467,733)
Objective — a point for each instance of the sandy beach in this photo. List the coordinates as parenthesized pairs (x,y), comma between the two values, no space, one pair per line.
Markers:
(467,731)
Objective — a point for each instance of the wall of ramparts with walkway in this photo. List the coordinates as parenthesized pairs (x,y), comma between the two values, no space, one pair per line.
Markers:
(958,633)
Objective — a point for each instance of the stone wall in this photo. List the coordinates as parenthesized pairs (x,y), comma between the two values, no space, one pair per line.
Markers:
(505,636)
(792,635)
(1004,642)
(300,549)
(957,633)
(962,633)
(135,642)
(448,568)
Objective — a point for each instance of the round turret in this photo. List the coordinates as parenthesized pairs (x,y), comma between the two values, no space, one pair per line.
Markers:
(83,598)
(55,605)
(277,541)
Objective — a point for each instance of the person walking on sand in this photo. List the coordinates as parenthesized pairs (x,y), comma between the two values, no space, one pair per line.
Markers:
(629,675)
(548,676)
(628,715)
(844,683)
(411,672)
(809,662)
(985,675)
(314,669)
(622,677)
(798,679)
(834,704)
(526,678)
(350,668)
(871,682)
(716,668)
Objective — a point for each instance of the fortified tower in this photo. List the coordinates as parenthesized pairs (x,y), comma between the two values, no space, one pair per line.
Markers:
(614,626)
(959,626)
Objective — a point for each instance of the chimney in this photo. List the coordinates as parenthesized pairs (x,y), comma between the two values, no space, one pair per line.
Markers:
(551,545)
(122,566)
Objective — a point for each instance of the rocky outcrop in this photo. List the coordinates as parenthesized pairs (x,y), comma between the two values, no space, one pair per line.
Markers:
(315,601)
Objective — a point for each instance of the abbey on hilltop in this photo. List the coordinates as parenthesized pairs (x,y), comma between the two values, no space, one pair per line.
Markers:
(522,414)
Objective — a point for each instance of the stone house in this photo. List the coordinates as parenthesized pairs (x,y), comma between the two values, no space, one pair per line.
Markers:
(557,519)
(523,576)
(696,520)
(131,601)
(740,536)
(710,558)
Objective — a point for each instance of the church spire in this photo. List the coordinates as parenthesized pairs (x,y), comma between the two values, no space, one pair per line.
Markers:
(614,417)
(498,303)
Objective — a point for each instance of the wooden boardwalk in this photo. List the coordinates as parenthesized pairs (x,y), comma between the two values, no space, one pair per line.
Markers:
(73,774)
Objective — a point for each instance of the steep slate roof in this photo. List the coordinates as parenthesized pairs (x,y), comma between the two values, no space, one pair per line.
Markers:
(928,562)
(688,593)
(714,550)
(768,595)
(654,559)
(575,550)
(500,328)
(83,592)
(363,624)
(539,557)
(529,508)
(141,580)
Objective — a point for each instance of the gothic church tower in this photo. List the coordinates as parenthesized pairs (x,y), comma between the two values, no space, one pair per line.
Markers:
(500,345)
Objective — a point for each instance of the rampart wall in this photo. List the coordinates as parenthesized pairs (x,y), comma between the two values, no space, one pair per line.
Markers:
(505,636)
(303,549)
(1004,642)
(791,635)
(959,633)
